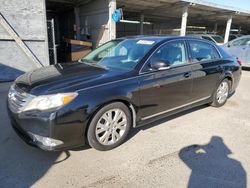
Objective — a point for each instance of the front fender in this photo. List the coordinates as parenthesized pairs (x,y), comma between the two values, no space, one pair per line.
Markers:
(94,98)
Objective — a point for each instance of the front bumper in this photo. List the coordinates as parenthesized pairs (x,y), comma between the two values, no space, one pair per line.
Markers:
(48,130)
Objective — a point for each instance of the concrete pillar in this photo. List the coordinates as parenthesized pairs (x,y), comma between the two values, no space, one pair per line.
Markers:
(215,28)
(77,20)
(239,31)
(228,28)
(141,24)
(112,24)
(184,21)
(86,25)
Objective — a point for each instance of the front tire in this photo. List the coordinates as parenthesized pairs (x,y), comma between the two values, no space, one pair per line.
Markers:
(221,94)
(109,127)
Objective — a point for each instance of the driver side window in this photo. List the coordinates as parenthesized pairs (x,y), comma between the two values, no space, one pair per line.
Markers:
(246,42)
(173,52)
(239,42)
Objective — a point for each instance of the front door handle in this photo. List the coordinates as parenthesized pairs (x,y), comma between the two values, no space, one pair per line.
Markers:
(187,75)
(219,68)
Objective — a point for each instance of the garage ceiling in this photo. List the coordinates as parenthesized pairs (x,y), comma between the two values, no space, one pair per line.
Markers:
(198,13)
(71,2)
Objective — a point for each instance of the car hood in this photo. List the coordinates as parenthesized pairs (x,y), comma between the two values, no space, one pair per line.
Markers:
(65,77)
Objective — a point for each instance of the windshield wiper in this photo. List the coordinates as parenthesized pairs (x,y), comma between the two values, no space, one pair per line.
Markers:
(88,62)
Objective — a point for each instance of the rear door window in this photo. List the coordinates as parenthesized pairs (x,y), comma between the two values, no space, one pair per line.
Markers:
(202,51)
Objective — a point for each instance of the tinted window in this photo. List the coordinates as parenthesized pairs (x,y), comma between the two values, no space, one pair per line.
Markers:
(174,53)
(202,51)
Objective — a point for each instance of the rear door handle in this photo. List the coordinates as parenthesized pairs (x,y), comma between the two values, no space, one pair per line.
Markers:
(187,75)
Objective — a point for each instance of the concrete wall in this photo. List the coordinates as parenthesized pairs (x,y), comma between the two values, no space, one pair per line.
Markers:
(128,29)
(28,20)
(95,17)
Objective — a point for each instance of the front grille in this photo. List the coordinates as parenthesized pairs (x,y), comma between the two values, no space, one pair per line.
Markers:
(18,98)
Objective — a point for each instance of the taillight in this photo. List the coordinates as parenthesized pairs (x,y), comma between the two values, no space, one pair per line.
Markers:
(239,62)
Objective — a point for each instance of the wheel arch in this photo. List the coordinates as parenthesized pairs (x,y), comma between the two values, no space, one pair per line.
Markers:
(229,76)
(132,108)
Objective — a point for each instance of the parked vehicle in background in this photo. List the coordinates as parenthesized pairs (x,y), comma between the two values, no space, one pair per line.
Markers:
(122,84)
(240,47)
(217,39)
(232,37)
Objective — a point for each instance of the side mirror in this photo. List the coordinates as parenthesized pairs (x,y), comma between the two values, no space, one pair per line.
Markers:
(228,45)
(160,65)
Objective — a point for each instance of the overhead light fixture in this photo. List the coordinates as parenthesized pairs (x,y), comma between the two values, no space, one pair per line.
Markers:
(135,22)
(195,27)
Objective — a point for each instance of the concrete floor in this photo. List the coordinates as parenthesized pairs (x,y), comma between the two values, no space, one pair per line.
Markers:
(205,147)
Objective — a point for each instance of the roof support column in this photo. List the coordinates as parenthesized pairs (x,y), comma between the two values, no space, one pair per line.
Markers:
(215,28)
(77,20)
(228,28)
(141,23)
(184,20)
(112,24)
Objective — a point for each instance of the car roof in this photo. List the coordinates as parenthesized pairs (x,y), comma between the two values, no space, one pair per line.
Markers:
(209,35)
(241,37)
(244,36)
(158,38)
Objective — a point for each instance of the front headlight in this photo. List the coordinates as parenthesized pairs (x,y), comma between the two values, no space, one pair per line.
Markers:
(46,102)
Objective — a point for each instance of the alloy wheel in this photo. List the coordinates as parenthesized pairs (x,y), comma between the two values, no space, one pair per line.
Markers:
(111,126)
(222,92)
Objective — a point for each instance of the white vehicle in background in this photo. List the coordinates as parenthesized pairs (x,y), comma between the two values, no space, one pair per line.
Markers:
(217,39)
(240,47)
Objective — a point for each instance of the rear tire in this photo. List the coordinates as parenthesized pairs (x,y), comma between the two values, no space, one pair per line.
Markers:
(221,94)
(109,126)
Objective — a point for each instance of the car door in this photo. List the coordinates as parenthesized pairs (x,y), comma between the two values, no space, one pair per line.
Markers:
(165,90)
(245,47)
(206,68)
(247,60)
(240,48)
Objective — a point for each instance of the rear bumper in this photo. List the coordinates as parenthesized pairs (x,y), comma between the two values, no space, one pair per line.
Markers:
(47,131)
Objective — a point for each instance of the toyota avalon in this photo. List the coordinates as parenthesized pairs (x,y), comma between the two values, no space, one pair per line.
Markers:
(123,84)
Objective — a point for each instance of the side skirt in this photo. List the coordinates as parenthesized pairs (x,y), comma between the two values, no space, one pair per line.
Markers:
(159,116)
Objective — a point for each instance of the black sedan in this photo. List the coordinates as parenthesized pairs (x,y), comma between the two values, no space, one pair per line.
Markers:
(124,83)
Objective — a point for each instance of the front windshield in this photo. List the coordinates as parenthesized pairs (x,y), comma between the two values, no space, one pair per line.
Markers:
(120,54)
(218,39)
